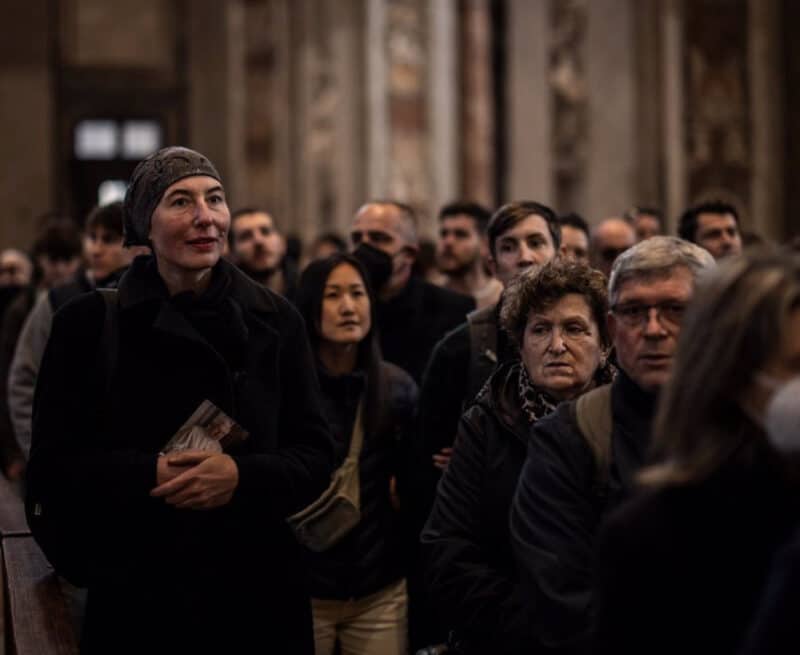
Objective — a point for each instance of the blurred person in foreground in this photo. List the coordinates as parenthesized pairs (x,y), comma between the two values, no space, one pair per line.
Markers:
(681,566)
(188,551)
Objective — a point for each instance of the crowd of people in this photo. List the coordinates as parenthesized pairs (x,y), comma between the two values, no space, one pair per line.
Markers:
(554,439)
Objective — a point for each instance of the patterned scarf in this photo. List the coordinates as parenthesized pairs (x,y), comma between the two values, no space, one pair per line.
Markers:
(537,404)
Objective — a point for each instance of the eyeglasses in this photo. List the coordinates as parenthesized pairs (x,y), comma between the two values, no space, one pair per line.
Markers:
(670,314)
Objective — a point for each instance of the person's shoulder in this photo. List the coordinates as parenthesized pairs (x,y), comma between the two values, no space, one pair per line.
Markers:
(402,388)
(81,316)
(444,298)
(453,343)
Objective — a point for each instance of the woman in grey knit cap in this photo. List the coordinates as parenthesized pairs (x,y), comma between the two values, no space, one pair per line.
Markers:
(188,551)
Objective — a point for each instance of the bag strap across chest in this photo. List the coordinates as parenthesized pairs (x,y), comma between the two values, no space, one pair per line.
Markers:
(595,421)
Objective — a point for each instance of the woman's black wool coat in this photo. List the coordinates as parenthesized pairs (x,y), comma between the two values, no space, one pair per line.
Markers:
(223,580)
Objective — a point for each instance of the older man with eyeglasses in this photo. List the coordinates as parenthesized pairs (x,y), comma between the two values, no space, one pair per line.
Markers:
(583,458)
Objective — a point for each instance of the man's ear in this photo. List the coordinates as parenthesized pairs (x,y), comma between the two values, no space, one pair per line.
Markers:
(492,264)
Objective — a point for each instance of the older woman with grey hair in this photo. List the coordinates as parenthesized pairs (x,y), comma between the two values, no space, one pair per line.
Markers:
(582,459)
(556,315)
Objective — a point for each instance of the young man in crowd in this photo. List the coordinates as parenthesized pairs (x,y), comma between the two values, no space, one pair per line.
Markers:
(713,226)
(462,250)
(583,458)
(259,250)
(574,238)
(646,222)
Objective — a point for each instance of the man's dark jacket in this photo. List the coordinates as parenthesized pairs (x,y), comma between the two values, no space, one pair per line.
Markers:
(561,500)
(444,396)
(229,579)
(412,322)
(471,575)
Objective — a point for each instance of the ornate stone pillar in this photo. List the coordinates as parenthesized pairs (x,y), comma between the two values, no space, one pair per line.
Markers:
(529,110)
(610,78)
(216,97)
(26,121)
(673,114)
(477,111)
(766,90)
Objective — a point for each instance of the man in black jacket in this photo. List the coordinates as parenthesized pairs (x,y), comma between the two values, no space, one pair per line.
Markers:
(412,313)
(572,477)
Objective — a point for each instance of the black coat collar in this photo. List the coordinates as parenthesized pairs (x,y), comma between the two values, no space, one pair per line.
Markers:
(142,284)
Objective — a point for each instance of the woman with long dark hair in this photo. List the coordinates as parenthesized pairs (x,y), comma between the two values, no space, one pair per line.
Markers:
(358,585)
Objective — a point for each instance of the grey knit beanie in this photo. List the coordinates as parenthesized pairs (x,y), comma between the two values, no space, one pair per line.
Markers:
(150,179)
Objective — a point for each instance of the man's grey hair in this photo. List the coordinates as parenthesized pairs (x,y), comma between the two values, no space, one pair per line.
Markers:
(656,257)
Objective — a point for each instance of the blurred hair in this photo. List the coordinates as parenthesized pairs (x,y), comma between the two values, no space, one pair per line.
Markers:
(332,239)
(634,212)
(407,213)
(509,215)
(687,227)
(477,212)
(59,239)
(734,324)
(110,217)
(539,288)
(575,220)
(657,257)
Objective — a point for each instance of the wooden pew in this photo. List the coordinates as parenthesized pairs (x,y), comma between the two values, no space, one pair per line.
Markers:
(35,618)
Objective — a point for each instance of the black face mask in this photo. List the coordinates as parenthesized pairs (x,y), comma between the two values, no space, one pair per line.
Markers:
(378,264)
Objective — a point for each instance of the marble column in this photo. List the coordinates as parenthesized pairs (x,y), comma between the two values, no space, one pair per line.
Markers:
(764,54)
(443,103)
(530,174)
(477,109)
(216,98)
(27,114)
(673,132)
(610,78)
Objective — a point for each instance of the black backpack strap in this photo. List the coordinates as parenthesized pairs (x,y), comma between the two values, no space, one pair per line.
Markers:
(482,349)
(108,348)
(595,421)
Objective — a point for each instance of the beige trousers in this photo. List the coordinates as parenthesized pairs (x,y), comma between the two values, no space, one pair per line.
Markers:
(374,625)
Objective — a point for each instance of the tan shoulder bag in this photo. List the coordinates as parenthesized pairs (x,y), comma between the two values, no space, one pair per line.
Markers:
(330,517)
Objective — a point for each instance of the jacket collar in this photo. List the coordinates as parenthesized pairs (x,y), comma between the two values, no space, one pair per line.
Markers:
(500,396)
(141,284)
